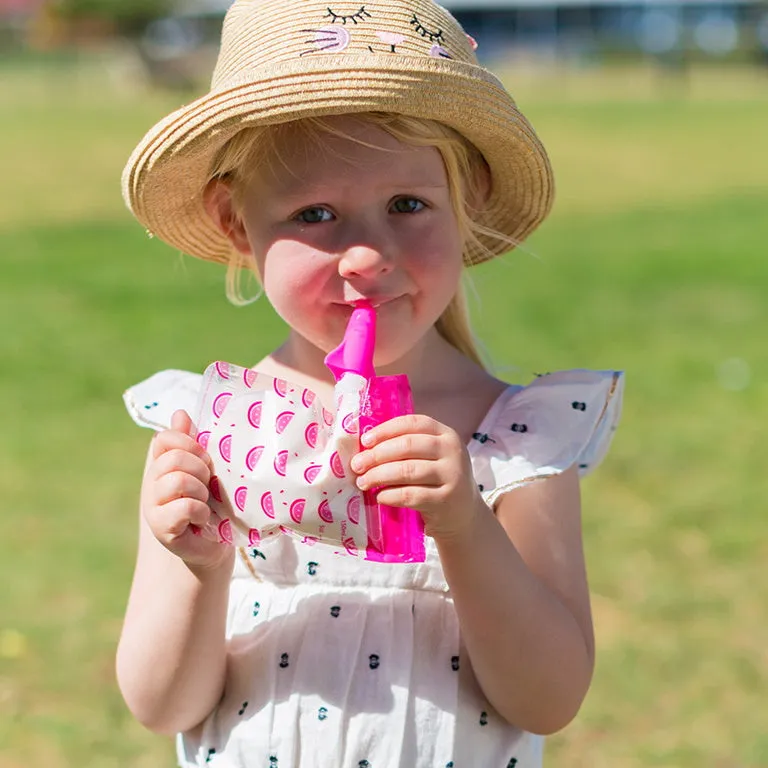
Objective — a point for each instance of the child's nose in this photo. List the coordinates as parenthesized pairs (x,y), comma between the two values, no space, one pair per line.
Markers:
(364,261)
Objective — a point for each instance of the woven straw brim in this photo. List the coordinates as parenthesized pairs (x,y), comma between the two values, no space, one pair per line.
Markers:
(165,176)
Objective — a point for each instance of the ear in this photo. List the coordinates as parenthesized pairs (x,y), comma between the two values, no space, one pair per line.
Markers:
(220,206)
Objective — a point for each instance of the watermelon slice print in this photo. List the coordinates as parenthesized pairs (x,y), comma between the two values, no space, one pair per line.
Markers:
(253,456)
(349,424)
(215,488)
(281,462)
(336,466)
(254,537)
(225,448)
(311,433)
(267,505)
(349,545)
(225,531)
(202,438)
(222,369)
(327,417)
(324,510)
(241,494)
(296,510)
(249,377)
(282,421)
(353,510)
(254,415)
(281,387)
(311,472)
(220,403)
(307,397)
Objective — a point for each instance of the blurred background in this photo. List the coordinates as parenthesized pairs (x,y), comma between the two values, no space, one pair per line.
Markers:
(653,261)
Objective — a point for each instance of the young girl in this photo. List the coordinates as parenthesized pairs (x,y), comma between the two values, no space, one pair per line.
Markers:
(346,154)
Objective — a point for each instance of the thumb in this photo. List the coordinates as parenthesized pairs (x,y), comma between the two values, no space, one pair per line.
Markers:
(181,422)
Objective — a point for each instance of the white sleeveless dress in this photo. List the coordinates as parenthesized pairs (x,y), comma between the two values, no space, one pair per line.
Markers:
(337,662)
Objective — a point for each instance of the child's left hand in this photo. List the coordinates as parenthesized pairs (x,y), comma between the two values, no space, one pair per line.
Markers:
(418,462)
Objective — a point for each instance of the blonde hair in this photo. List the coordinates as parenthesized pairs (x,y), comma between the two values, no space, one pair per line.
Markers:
(467,172)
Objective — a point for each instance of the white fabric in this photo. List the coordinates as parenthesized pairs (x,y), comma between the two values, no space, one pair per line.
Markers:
(341,663)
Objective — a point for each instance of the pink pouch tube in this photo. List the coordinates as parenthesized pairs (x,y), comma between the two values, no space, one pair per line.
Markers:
(395,534)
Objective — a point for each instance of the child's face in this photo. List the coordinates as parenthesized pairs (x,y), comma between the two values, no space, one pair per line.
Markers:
(333,223)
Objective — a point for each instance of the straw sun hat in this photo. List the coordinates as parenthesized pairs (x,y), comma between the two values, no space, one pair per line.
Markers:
(283,60)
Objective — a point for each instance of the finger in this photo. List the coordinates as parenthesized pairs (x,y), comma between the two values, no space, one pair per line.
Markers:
(409,472)
(171,439)
(179,485)
(401,425)
(181,422)
(407,496)
(407,446)
(175,518)
(178,460)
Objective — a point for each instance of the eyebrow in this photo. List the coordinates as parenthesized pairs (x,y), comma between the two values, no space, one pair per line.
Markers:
(302,190)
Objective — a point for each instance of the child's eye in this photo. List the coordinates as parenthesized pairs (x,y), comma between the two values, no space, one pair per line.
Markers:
(407,205)
(314,215)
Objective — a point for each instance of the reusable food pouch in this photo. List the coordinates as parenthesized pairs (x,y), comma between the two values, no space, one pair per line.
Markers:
(282,461)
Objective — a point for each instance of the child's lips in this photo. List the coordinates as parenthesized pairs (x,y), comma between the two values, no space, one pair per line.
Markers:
(376,303)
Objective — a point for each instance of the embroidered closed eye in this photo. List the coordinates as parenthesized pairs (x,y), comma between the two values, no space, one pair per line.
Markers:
(354,17)
(433,37)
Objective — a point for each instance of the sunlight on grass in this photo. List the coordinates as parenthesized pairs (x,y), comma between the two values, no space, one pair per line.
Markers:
(654,262)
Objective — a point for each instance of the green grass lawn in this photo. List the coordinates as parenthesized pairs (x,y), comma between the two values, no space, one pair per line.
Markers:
(653,262)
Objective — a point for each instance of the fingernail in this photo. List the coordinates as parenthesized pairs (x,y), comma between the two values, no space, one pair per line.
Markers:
(366,438)
(356,463)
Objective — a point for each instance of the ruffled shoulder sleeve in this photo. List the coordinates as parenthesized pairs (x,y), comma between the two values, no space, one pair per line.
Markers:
(559,420)
(152,402)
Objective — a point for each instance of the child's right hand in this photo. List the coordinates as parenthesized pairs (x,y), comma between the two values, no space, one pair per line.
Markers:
(175,495)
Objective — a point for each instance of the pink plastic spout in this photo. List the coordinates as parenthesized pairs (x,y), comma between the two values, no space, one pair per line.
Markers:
(355,353)
(395,535)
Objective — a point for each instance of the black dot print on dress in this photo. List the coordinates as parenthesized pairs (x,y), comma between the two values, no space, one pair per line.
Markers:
(257,553)
(483,718)
(449,765)
(519,428)
(272,761)
(374,661)
(335,611)
(283,660)
(455,663)
(577,406)
(209,756)
(512,762)
(242,709)
(256,608)
(312,568)
(363,764)
(322,713)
